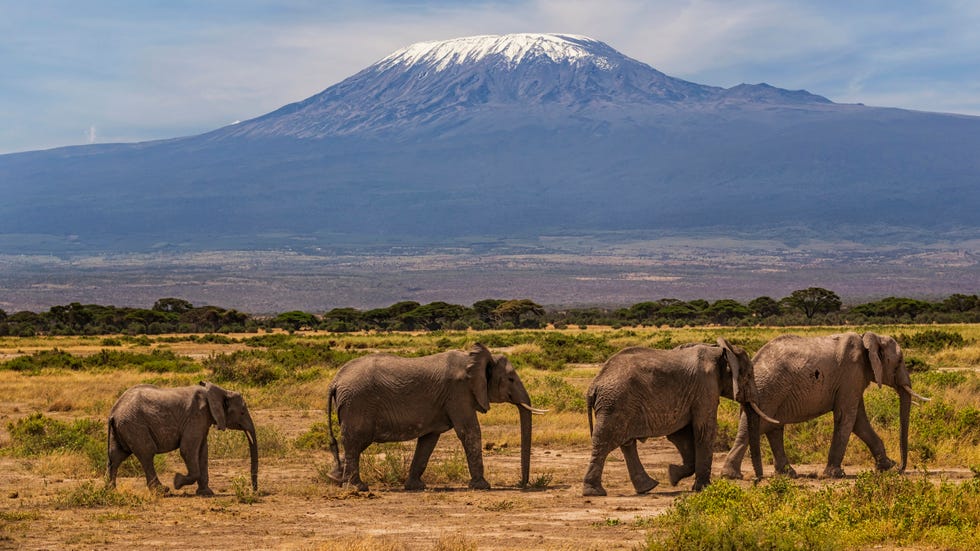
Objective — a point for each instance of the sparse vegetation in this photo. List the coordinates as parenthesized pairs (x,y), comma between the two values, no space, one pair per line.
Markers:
(57,392)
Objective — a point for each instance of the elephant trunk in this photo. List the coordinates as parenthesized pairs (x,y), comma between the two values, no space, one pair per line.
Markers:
(253,451)
(754,447)
(522,399)
(525,446)
(904,408)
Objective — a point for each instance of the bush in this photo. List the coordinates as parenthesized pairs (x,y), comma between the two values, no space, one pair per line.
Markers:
(932,340)
(781,514)
(44,359)
(37,434)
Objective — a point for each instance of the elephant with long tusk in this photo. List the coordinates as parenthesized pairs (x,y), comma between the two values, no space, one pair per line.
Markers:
(387,398)
(800,378)
(643,392)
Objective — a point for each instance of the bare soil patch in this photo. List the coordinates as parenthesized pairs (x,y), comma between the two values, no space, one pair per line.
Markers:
(297,511)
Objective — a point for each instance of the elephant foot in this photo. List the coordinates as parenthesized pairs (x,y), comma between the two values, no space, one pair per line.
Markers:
(700,485)
(182,480)
(593,490)
(731,473)
(479,484)
(833,472)
(644,485)
(205,492)
(884,464)
(787,471)
(414,485)
(678,472)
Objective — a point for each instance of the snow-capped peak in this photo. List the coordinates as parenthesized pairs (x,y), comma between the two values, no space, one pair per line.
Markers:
(509,48)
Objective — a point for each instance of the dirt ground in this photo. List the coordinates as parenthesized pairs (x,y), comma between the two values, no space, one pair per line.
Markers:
(296,511)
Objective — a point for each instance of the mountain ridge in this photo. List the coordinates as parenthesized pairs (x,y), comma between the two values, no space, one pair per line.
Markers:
(490,147)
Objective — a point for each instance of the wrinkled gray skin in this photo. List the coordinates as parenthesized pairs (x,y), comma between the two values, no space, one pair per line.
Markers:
(643,392)
(800,378)
(386,398)
(147,420)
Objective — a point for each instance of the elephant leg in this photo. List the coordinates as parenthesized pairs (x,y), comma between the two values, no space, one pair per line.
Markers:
(469,434)
(606,437)
(116,456)
(152,481)
(352,464)
(732,468)
(202,464)
(843,426)
(638,475)
(683,440)
(704,440)
(423,450)
(190,461)
(776,437)
(863,430)
(592,486)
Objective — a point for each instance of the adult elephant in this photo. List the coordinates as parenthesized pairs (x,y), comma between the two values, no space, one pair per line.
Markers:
(643,392)
(147,420)
(800,378)
(387,398)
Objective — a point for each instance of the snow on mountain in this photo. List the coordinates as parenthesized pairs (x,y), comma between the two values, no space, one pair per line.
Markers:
(511,49)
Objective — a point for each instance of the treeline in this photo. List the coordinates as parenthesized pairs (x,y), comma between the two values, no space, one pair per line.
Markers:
(815,306)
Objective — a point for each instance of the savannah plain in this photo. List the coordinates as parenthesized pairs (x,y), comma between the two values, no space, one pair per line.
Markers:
(56,392)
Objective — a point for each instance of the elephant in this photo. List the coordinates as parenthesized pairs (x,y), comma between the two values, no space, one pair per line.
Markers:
(800,378)
(643,392)
(387,398)
(147,420)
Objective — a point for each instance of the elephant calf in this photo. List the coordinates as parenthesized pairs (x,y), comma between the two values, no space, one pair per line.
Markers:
(386,398)
(147,420)
(643,392)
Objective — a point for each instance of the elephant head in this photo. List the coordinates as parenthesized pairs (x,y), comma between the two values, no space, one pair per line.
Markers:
(494,380)
(888,367)
(229,411)
(743,390)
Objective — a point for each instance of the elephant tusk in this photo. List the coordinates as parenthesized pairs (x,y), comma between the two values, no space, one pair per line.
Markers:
(913,394)
(762,414)
(535,411)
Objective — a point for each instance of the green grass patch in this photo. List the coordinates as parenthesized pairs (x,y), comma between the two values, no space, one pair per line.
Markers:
(879,508)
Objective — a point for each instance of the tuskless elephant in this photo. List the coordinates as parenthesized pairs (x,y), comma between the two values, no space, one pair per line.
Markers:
(643,392)
(800,378)
(147,420)
(387,398)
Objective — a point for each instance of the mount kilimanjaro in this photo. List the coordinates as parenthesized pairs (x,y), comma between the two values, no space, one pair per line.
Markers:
(512,136)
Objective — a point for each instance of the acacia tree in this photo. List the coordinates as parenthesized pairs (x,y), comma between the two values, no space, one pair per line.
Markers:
(516,310)
(764,307)
(813,300)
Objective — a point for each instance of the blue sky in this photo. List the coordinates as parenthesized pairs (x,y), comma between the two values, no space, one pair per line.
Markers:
(99,71)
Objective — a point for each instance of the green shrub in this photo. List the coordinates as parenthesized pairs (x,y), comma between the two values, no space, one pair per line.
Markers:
(44,359)
(316,438)
(932,340)
(879,508)
(37,434)
(553,392)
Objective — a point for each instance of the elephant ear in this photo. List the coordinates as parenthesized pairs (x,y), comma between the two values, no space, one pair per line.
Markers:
(732,360)
(216,403)
(477,373)
(873,345)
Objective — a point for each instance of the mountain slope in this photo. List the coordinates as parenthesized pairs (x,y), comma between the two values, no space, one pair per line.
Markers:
(507,136)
